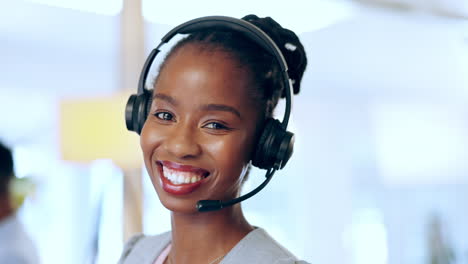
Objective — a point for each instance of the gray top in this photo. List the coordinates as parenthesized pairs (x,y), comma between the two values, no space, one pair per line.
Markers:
(15,245)
(256,247)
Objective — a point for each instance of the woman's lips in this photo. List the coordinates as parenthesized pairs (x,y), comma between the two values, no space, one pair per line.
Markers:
(181,167)
(180,179)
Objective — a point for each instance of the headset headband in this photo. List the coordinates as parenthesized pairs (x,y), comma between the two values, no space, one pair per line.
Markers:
(249,30)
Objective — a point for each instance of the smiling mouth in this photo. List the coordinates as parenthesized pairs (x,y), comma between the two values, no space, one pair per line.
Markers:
(182,174)
(182,177)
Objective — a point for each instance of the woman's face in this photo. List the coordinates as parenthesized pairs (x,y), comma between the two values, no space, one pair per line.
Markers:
(199,136)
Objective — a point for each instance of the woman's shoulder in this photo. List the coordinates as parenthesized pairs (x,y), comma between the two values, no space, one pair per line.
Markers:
(259,247)
(142,248)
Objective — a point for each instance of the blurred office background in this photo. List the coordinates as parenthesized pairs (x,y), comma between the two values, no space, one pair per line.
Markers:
(380,170)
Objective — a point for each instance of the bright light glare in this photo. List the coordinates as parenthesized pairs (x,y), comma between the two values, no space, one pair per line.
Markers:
(297,15)
(106,195)
(369,238)
(30,161)
(103,7)
(420,144)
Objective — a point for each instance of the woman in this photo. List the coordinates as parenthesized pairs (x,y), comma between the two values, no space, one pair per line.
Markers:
(213,93)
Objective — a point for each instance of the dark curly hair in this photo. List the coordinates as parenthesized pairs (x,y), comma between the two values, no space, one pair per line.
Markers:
(263,68)
(6,168)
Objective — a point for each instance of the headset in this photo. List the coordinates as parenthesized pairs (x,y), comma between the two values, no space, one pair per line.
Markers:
(275,145)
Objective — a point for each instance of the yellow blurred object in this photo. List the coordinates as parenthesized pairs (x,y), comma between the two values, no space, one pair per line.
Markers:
(94,128)
(20,188)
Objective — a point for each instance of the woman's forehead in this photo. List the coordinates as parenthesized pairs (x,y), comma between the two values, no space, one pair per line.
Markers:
(194,79)
(212,72)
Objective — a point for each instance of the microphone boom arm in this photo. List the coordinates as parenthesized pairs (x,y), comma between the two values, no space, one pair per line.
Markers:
(213,205)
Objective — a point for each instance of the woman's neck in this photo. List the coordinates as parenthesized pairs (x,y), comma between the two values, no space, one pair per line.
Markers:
(203,237)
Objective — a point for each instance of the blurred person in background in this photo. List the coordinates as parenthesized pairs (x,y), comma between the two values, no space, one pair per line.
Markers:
(15,245)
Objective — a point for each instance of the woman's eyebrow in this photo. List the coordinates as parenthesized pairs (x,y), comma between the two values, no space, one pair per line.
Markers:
(221,107)
(207,107)
(166,98)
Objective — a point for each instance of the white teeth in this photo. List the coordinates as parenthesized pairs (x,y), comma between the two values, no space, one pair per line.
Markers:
(180,177)
(172,177)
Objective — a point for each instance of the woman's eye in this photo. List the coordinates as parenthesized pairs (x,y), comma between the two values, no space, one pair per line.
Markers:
(164,116)
(216,126)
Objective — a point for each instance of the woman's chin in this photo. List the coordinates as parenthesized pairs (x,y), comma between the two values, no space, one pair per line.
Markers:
(174,203)
(178,207)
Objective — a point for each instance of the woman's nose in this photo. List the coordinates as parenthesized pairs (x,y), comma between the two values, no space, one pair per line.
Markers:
(182,142)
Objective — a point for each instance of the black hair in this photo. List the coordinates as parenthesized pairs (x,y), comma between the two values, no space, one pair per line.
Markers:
(265,71)
(6,168)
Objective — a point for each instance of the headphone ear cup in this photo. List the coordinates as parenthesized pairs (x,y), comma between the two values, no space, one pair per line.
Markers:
(274,147)
(260,160)
(136,111)
(129,107)
(147,100)
(286,148)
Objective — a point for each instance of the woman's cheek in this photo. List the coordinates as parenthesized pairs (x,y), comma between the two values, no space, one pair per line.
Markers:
(230,152)
(149,141)
(231,144)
